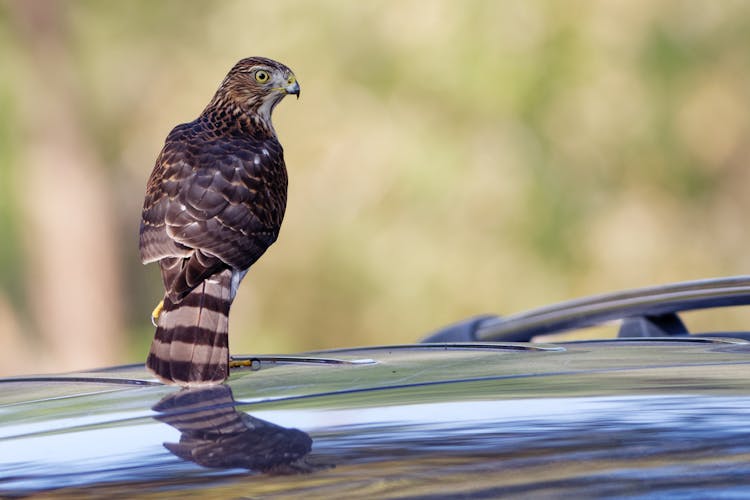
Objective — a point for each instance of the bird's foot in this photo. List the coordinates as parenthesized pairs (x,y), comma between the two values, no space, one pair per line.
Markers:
(156,312)
(253,363)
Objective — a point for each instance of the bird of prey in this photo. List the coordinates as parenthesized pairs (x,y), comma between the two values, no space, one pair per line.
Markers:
(214,204)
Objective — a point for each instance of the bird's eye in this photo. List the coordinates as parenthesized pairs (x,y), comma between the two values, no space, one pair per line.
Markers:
(261,76)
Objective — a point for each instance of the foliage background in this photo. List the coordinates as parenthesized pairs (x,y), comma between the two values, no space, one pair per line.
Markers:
(446,159)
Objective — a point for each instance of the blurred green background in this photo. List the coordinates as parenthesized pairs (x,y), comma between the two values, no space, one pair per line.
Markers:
(446,159)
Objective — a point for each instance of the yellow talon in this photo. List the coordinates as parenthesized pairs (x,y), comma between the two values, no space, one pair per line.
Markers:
(157,312)
(254,364)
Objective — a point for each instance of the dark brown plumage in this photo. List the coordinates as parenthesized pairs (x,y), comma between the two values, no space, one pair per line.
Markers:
(214,203)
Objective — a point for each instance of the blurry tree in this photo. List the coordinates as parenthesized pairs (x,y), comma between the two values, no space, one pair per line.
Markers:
(65,225)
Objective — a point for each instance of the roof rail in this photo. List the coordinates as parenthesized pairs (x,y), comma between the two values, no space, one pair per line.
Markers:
(649,311)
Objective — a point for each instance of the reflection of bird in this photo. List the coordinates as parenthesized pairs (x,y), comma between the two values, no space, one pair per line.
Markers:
(215,434)
(214,203)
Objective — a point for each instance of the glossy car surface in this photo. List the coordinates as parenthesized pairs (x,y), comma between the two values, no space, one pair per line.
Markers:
(642,417)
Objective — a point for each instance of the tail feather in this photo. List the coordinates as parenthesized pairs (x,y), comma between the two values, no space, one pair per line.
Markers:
(191,345)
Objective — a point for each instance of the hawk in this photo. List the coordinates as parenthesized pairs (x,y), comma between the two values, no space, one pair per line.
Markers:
(214,204)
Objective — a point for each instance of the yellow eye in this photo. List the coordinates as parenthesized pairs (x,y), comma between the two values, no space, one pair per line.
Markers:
(261,76)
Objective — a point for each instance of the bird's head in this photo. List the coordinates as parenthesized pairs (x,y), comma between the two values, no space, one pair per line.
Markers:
(255,85)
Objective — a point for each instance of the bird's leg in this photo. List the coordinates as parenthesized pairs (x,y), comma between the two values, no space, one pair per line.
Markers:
(254,363)
(156,312)
(237,363)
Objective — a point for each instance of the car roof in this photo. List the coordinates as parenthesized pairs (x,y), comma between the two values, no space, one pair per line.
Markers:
(432,409)
(623,416)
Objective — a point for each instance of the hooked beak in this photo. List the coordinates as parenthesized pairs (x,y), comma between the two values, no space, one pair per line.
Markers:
(292,86)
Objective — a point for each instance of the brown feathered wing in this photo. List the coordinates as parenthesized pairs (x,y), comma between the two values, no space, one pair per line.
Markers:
(214,204)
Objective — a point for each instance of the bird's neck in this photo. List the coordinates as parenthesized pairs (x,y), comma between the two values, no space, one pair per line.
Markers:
(228,117)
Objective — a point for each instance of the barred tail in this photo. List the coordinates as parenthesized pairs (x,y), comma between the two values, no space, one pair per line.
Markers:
(191,345)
